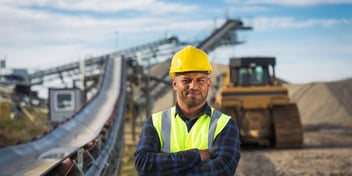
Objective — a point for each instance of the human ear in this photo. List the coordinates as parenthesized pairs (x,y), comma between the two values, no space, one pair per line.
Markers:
(174,84)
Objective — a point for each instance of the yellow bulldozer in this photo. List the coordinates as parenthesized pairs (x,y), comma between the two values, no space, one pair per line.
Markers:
(259,104)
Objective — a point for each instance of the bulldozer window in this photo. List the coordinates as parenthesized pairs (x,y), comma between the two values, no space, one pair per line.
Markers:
(258,75)
(244,77)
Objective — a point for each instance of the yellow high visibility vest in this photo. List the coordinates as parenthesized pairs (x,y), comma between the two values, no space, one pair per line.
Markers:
(174,136)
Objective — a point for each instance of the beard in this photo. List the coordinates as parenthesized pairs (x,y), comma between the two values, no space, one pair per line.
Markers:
(193,101)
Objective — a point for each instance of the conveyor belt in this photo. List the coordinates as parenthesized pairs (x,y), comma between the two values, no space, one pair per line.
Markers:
(94,122)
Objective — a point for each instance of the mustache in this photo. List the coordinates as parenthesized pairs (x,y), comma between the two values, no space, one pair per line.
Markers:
(192,91)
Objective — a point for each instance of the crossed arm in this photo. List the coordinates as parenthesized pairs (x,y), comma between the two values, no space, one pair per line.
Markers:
(222,159)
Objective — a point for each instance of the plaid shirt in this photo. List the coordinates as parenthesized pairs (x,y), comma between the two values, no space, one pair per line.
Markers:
(225,154)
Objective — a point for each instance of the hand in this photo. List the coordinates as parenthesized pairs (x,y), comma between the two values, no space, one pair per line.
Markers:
(204,155)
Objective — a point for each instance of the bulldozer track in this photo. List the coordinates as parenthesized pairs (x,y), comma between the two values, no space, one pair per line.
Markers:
(287,126)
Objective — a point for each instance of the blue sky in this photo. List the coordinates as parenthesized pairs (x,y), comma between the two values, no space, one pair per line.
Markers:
(311,39)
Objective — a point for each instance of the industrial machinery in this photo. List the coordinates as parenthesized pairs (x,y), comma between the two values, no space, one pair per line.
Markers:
(253,96)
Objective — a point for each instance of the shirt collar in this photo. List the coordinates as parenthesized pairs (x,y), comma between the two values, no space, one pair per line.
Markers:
(206,110)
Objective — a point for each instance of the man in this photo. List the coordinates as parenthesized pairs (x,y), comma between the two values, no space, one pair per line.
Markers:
(190,138)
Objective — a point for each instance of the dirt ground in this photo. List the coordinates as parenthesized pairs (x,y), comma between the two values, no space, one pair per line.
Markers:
(325,152)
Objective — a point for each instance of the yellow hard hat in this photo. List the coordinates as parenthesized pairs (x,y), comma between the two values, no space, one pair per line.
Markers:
(190,59)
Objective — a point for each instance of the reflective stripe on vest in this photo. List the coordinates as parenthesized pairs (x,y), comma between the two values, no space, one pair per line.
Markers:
(163,123)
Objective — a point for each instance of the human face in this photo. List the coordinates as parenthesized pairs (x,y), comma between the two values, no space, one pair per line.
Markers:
(192,89)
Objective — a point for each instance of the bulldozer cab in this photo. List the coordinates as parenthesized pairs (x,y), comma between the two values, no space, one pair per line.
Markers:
(251,71)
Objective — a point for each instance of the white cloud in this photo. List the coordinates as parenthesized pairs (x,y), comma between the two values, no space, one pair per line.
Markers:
(306,71)
(26,27)
(48,38)
(276,23)
(149,6)
(36,58)
(291,2)
(247,9)
(29,27)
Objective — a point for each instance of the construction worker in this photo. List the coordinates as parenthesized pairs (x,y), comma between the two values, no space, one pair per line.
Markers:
(190,138)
